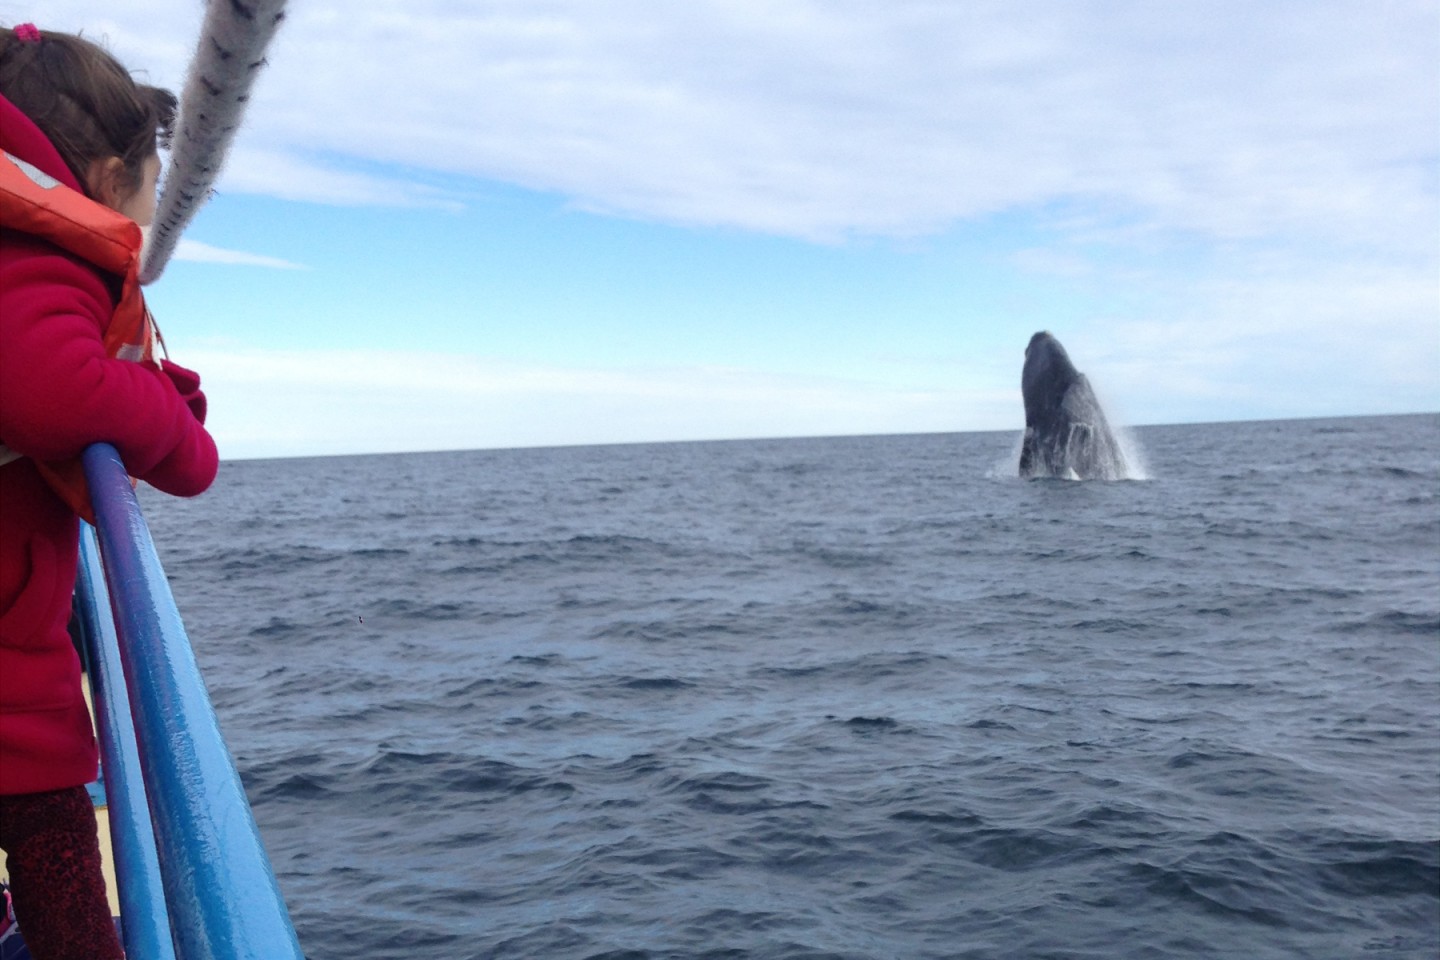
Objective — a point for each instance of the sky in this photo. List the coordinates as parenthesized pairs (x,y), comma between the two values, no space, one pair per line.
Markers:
(463,224)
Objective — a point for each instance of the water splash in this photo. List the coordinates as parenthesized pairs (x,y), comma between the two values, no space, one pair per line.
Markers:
(1137,465)
(1122,459)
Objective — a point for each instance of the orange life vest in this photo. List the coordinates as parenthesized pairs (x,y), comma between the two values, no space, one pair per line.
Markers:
(33,202)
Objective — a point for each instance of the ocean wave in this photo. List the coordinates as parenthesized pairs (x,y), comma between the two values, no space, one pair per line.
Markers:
(843,698)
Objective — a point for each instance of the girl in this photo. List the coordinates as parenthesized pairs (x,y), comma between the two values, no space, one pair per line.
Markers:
(78,161)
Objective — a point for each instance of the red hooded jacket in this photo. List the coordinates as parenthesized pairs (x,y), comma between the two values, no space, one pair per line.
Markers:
(60,392)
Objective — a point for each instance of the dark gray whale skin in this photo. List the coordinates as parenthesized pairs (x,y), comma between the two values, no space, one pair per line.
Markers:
(1066,434)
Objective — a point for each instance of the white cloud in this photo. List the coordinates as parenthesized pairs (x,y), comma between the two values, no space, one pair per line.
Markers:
(280,403)
(292,174)
(825,120)
(197,252)
(1276,337)
(1245,194)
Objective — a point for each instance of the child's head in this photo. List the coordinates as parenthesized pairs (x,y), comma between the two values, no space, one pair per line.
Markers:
(105,126)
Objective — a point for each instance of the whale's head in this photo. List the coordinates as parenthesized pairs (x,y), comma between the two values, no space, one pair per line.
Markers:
(1043,348)
(1048,371)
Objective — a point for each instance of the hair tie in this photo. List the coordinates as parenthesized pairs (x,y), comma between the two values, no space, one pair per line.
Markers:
(27,33)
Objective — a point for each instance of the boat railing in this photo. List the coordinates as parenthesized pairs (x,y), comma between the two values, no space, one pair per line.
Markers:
(193,879)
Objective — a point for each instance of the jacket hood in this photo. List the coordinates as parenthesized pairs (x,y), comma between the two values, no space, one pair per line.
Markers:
(20,138)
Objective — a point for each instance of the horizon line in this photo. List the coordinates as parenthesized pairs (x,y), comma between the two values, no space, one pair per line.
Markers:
(803,437)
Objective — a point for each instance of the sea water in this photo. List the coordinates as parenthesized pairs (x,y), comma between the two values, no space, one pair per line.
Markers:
(866,697)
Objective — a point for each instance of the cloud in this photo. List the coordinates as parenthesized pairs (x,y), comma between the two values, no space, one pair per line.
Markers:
(826,121)
(293,173)
(281,403)
(1272,336)
(197,252)
(1225,209)
(893,118)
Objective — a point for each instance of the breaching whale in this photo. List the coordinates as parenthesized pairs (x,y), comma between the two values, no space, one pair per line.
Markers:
(1066,434)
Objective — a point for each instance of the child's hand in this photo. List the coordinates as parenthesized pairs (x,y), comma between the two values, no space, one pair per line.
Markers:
(187,382)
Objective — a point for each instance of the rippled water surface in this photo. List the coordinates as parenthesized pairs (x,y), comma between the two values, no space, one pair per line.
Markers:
(837,698)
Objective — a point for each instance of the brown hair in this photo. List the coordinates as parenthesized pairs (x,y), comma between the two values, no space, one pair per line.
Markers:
(84,101)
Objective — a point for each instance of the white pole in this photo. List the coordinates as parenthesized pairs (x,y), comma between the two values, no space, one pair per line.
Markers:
(228,59)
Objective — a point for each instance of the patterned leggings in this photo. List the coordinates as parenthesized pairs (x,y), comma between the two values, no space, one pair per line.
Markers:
(55,879)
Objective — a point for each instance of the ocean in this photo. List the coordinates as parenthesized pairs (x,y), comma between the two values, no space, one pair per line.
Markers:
(864,697)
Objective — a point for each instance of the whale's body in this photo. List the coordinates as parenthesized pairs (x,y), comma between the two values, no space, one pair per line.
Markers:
(1066,434)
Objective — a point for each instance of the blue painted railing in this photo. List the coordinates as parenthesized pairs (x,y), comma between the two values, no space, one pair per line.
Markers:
(190,866)
(146,924)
